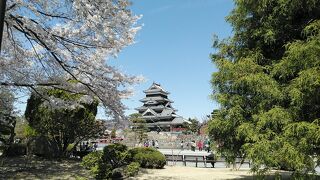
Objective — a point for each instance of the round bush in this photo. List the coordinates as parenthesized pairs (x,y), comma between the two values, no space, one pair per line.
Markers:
(132,169)
(147,157)
(113,157)
(91,159)
(115,154)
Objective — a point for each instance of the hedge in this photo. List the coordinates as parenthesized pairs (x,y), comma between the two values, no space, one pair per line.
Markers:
(147,157)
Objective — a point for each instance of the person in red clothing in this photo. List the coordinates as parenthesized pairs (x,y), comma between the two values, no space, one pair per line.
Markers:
(200,145)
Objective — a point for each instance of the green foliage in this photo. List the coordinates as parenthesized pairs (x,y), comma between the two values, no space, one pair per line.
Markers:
(116,161)
(61,126)
(104,171)
(139,126)
(29,131)
(107,163)
(113,133)
(268,85)
(61,94)
(91,161)
(117,173)
(194,127)
(132,169)
(70,147)
(147,157)
(114,156)
(19,130)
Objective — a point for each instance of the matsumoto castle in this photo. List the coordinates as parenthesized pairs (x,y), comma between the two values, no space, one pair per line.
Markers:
(158,111)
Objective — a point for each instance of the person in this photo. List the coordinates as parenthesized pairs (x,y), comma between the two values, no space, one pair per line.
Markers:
(156,144)
(153,143)
(81,146)
(199,145)
(193,146)
(95,146)
(187,145)
(86,146)
(181,145)
(207,145)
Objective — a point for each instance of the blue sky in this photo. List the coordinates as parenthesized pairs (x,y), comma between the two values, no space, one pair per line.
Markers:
(173,49)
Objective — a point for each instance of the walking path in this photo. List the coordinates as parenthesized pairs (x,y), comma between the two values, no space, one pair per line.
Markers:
(192,173)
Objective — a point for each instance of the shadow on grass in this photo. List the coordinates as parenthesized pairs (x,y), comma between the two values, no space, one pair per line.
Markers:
(147,174)
(282,175)
(39,168)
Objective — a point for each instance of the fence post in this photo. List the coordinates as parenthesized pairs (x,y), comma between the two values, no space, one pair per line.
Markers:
(205,161)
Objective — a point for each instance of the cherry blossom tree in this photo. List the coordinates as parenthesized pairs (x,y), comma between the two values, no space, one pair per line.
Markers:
(65,44)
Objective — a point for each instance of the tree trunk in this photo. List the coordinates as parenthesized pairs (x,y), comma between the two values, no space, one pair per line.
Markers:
(2,15)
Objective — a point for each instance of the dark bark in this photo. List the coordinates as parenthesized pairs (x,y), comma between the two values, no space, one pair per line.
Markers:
(2,15)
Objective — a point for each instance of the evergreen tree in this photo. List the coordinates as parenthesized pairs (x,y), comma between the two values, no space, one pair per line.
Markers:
(113,133)
(268,85)
(193,127)
(139,127)
(62,125)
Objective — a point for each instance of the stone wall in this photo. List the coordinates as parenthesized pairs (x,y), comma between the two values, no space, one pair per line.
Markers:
(166,140)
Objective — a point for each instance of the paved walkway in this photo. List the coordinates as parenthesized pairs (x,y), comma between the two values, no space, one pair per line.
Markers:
(191,173)
(183,152)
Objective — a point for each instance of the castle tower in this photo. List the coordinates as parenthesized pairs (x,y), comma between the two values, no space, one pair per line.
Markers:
(158,111)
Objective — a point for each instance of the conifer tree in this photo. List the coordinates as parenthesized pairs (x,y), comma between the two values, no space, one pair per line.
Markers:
(268,85)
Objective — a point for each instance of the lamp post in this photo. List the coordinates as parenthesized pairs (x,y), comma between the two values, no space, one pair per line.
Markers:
(2,14)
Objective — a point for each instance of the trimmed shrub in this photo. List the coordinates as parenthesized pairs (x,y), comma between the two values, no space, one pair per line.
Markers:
(147,157)
(104,171)
(94,170)
(16,150)
(91,160)
(132,169)
(112,162)
(114,156)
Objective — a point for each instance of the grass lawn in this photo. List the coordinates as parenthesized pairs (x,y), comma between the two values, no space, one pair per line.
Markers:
(39,168)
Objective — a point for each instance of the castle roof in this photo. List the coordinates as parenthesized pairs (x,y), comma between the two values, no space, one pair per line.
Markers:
(175,121)
(155,89)
(157,98)
(180,120)
(157,109)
